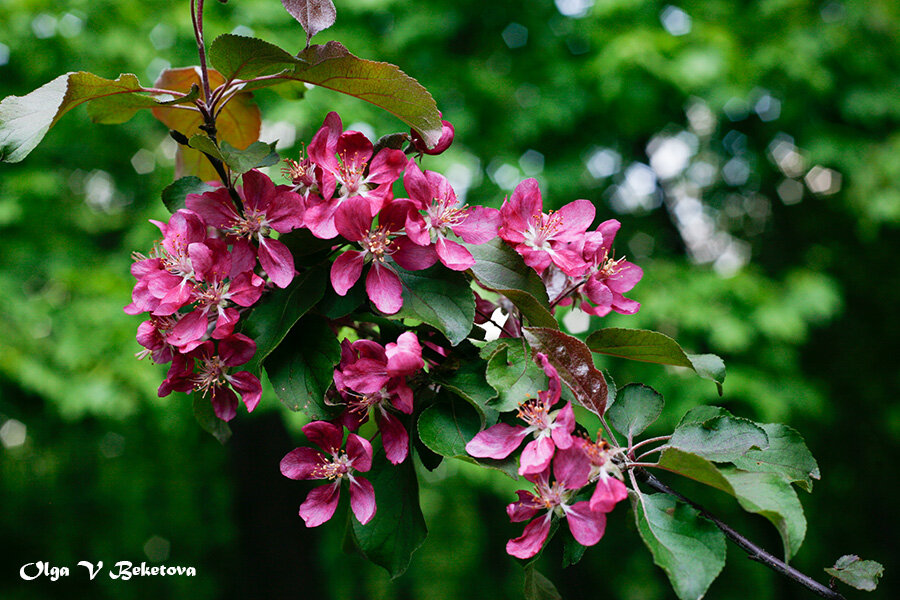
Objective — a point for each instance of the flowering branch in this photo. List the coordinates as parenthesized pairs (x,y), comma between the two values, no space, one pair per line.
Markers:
(753,551)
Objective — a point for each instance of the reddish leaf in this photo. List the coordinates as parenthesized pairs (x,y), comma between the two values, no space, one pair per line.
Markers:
(238,123)
(575,364)
(313,15)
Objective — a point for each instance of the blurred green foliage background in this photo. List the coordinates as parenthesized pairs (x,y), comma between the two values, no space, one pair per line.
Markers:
(749,148)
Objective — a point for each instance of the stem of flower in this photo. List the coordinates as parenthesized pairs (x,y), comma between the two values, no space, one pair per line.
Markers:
(564,293)
(197,21)
(753,551)
(662,438)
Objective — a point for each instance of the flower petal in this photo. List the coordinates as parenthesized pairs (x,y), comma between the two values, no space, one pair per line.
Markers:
(362,499)
(359,450)
(533,537)
(384,289)
(300,463)
(345,271)
(393,436)
(536,456)
(320,504)
(325,435)
(497,441)
(277,261)
(587,526)
(609,492)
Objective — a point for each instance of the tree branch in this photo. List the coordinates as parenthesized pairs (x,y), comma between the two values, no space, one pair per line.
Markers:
(753,551)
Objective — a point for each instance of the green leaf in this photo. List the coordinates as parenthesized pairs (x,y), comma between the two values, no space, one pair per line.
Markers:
(500,268)
(512,373)
(787,456)
(575,364)
(335,307)
(768,495)
(332,66)
(256,155)
(440,297)
(206,417)
(572,551)
(654,347)
(448,425)
(398,527)
(469,383)
(119,108)
(861,574)
(690,549)
(204,143)
(701,414)
(721,439)
(765,494)
(174,195)
(25,120)
(637,407)
(241,57)
(301,369)
(277,312)
(538,587)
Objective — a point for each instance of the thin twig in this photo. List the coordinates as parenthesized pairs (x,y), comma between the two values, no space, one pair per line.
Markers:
(753,551)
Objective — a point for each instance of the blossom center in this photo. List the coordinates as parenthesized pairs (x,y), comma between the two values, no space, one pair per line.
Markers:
(350,173)
(211,374)
(441,214)
(541,228)
(333,468)
(535,413)
(378,243)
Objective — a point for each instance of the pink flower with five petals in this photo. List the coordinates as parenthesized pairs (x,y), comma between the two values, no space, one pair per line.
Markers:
(378,242)
(432,193)
(345,158)
(335,466)
(570,474)
(266,207)
(544,238)
(551,430)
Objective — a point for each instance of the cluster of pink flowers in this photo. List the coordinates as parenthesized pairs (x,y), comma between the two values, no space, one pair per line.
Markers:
(573,462)
(348,191)
(200,278)
(219,255)
(575,262)
(370,376)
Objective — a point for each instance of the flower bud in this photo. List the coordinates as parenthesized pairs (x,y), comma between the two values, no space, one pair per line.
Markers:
(443,143)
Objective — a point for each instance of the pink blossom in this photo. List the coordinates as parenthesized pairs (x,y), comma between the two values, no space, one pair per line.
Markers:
(345,158)
(218,289)
(378,242)
(551,430)
(166,279)
(265,208)
(372,376)
(432,193)
(334,465)
(610,490)
(601,288)
(214,361)
(542,238)
(570,473)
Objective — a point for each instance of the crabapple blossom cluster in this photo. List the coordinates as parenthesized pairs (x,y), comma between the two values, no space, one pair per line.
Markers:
(200,278)
(573,462)
(221,253)
(576,264)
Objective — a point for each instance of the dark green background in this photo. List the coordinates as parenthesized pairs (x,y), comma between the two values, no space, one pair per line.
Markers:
(807,327)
